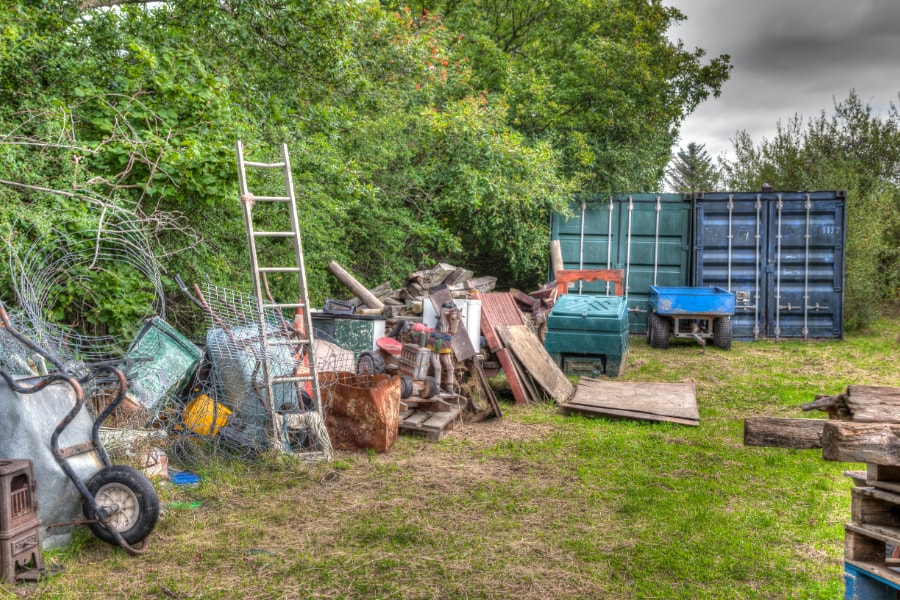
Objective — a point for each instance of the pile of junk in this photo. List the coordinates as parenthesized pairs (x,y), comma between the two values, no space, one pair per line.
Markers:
(85,429)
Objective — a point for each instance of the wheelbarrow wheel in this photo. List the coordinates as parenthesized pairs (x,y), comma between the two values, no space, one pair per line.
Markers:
(722,333)
(131,500)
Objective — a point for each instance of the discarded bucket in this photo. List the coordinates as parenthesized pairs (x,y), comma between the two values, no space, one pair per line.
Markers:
(200,413)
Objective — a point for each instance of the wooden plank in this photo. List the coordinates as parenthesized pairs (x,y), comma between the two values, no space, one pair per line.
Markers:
(439,421)
(508,364)
(783,433)
(418,417)
(475,368)
(859,547)
(870,506)
(877,568)
(461,344)
(858,477)
(675,402)
(613,413)
(527,384)
(885,477)
(874,403)
(848,441)
(531,353)
(883,533)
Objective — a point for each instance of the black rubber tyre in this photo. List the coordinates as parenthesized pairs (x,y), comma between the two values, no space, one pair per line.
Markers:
(430,387)
(660,329)
(369,363)
(406,386)
(722,334)
(136,498)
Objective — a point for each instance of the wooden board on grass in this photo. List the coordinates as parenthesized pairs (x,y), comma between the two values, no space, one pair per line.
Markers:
(672,402)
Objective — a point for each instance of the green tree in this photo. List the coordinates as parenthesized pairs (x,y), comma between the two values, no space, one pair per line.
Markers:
(598,79)
(692,170)
(854,149)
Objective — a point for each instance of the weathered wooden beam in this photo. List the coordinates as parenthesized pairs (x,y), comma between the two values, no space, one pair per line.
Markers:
(848,441)
(783,433)
(355,286)
(874,403)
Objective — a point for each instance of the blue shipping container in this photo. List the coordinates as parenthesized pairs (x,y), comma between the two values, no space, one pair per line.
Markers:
(781,253)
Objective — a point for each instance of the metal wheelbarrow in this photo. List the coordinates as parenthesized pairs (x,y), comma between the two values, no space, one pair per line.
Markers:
(119,503)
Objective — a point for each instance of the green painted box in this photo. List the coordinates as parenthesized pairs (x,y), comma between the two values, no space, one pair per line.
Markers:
(588,335)
(352,332)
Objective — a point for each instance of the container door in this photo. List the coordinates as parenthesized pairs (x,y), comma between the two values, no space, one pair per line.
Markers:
(782,254)
(730,253)
(653,248)
(805,266)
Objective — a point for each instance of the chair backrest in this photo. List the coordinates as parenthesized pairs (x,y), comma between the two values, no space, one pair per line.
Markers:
(565,277)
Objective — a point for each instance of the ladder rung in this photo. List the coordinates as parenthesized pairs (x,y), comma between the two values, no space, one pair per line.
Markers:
(291,379)
(279,270)
(290,342)
(278,165)
(299,305)
(272,198)
(283,234)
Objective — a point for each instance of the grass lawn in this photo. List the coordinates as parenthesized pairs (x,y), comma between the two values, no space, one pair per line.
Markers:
(537,505)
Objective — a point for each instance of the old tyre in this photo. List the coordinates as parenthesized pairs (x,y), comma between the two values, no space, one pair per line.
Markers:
(369,363)
(130,498)
(722,333)
(660,329)
(406,387)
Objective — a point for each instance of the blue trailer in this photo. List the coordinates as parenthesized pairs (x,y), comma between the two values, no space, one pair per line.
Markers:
(690,312)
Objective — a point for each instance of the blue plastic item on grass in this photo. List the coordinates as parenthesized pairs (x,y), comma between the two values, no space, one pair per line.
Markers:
(184,478)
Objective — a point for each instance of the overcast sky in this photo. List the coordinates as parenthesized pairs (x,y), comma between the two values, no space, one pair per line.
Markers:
(790,57)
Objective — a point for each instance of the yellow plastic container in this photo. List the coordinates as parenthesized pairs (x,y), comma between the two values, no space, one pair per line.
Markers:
(199,414)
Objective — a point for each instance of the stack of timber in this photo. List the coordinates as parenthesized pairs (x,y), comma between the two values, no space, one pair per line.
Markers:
(863,426)
(408,300)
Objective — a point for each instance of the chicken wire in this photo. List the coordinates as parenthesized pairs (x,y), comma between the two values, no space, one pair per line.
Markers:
(56,262)
(239,417)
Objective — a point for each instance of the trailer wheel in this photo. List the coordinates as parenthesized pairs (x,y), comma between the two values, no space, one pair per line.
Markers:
(722,333)
(131,500)
(660,329)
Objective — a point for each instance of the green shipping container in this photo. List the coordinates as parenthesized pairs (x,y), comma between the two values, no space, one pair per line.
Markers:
(648,236)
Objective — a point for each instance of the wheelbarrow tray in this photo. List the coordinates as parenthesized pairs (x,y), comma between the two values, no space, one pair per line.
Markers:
(27,422)
(677,301)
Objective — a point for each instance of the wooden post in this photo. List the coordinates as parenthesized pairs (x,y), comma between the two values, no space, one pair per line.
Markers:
(556,259)
(356,287)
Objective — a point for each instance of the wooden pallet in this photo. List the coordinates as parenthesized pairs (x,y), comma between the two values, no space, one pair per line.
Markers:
(872,533)
(433,417)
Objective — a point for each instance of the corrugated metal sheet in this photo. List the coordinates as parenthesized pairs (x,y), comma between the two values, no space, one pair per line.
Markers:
(646,235)
(781,253)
